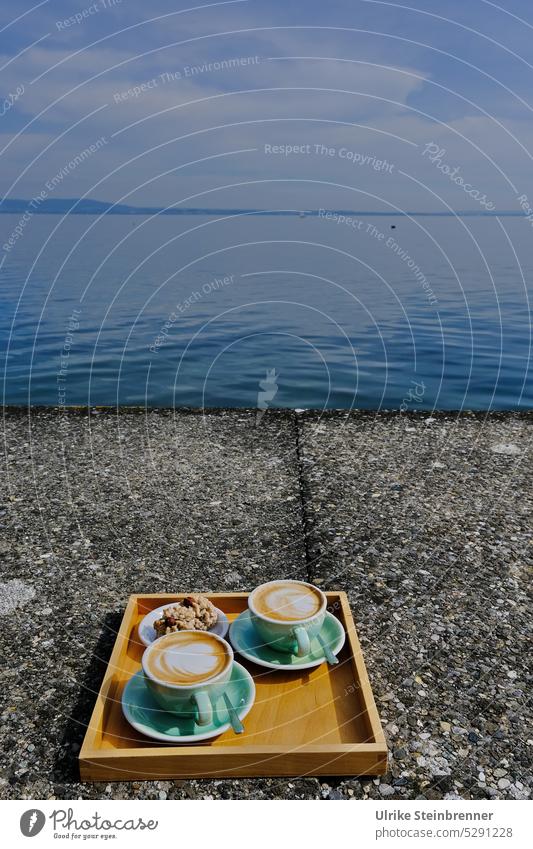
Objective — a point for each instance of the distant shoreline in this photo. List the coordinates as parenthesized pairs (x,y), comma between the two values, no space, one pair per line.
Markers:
(77,206)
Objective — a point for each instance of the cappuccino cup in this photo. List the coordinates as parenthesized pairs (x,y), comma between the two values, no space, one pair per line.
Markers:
(287,614)
(185,671)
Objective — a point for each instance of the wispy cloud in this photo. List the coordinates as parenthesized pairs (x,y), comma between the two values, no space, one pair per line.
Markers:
(370,77)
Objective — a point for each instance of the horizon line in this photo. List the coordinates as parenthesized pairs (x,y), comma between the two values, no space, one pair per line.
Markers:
(87,206)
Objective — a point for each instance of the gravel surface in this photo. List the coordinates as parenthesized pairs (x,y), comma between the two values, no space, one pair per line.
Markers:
(426,523)
(423,520)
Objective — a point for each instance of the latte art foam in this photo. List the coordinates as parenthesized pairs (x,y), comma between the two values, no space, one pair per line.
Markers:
(186,658)
(287,602)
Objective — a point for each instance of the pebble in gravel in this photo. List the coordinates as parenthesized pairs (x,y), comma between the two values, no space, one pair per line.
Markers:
(506,448)
(13,594)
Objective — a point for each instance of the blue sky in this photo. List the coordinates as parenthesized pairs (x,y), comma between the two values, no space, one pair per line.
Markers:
(374,82)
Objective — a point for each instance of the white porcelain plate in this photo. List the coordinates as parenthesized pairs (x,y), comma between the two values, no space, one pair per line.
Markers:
(147,634)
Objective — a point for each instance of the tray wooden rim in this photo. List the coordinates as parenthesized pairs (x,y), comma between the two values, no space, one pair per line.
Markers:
(91,754)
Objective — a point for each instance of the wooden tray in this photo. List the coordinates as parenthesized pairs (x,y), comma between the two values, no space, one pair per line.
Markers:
(321,721)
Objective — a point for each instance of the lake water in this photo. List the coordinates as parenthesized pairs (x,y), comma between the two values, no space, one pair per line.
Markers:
(200,311)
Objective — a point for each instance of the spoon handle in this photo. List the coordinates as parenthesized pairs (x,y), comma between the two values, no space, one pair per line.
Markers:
(330,657)
(236,724)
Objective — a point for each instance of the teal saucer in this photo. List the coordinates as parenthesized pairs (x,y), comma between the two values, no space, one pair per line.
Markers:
(245,640)
(144,714)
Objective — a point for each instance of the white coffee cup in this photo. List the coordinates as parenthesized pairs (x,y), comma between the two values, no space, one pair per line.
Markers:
(287,614)
(186,671)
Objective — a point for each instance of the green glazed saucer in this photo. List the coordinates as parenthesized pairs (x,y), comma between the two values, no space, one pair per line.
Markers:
(144,714)
(245,640)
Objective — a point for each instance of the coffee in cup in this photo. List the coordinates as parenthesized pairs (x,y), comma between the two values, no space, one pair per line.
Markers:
(185,670)
(287,614)
(287,601)
(190,658)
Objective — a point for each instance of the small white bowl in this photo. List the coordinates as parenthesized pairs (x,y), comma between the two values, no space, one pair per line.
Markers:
(147,634)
